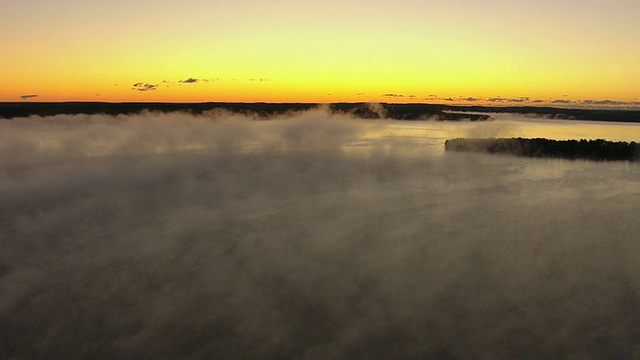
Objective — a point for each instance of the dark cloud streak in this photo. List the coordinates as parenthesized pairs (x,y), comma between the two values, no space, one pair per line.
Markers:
(144,87)
(189,81)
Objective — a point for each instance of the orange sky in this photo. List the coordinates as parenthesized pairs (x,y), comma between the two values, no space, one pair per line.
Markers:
(561,52)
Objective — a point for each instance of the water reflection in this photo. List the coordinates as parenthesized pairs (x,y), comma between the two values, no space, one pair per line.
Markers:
(427,138)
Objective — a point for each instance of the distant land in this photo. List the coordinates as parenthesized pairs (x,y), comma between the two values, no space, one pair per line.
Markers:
(10,110)
(598,150)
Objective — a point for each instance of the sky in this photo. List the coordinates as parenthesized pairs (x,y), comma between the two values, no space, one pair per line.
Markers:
(461,51)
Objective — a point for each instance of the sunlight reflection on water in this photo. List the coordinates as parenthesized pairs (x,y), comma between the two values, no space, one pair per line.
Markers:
(428,137)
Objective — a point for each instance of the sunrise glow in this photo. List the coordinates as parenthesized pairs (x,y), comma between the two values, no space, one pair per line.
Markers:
(304,51)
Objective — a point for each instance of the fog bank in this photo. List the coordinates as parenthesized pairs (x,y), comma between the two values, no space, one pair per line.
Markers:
(216,236)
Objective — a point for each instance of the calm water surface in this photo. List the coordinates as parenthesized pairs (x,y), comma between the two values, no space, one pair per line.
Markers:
(408,135)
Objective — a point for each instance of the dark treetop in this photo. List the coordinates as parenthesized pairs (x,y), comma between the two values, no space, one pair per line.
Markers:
(568,149)
(392,111)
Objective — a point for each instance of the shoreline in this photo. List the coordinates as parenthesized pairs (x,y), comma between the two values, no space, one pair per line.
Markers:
(419,112)
(594,150)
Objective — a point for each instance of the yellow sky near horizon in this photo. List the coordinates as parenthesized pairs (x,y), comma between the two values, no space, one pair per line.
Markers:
(311,51)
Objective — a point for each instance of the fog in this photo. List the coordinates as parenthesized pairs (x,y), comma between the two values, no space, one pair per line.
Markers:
(309,236)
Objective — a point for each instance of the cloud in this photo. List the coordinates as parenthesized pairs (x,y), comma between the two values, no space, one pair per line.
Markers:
(393,95)
(491,99)
(189,81)
(562,101)
(612,103)
(144,87)
(314,236)
(604,102)
(25,97)
(518,100)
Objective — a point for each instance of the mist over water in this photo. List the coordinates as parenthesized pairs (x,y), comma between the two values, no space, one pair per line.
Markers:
(307,236)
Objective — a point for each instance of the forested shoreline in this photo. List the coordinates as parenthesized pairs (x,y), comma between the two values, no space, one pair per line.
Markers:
(440,112)
(600,150)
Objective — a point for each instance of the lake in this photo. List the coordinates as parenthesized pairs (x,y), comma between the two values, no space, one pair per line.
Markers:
(175,236)
(430,136)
